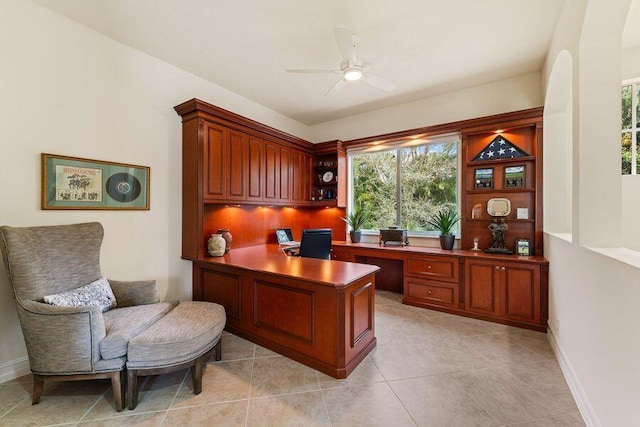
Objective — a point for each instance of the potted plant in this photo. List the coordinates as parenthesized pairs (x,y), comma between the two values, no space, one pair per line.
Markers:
(445,221)
(356,220)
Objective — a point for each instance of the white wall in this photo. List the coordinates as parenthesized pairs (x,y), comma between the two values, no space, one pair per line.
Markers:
(592,298)
(517,93)
(71,91)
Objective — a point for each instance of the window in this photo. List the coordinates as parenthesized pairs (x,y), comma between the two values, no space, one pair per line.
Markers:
(406,182)
(631,128)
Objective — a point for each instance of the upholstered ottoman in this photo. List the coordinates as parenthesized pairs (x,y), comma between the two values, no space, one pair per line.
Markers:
(181,339)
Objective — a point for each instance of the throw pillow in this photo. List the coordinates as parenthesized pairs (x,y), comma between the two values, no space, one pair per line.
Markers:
(96,293)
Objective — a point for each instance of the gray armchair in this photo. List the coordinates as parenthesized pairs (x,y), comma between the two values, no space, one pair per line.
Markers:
(73,343)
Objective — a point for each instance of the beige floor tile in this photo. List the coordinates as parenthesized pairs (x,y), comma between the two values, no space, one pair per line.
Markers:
(299,409)
(536,342)
(365,373)
(505,398)
(264,352)
(280,375)
(229,414)
(502,350)
(234,348)
(460,357)
(12,394)
(366,405)
(221,382)
(440,401)
(462,326)
(386,297)
(402,360)
(547,379)
(150,419)
(63,402)
(156,394)
(565,420)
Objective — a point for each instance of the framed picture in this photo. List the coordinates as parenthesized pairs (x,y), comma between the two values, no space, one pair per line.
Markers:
(523,247)
(75,183)
(514,176)
(484,178)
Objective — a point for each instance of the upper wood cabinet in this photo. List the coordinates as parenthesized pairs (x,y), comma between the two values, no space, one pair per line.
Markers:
(271,181)
(215,145)
(256,172)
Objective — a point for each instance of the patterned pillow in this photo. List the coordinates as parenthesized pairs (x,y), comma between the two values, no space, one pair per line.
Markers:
(96,293)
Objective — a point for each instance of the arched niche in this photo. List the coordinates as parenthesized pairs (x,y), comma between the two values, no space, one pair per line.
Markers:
(558,148)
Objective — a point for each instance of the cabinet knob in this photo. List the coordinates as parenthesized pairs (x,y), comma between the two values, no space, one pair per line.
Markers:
(497,267)
(502,269)
(429,267)
(429,292)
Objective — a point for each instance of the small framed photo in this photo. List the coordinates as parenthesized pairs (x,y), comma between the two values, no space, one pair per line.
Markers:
(523,247)
(75,183)
(484,179)
(514,177)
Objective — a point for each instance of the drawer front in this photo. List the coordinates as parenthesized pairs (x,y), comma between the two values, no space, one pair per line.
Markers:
(340,254)
(440,268)
(428,291)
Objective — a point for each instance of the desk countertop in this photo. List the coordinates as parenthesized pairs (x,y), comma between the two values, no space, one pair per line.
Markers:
(423,250)
(271,259)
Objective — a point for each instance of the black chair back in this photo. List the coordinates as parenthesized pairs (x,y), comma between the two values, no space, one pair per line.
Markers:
(316,243)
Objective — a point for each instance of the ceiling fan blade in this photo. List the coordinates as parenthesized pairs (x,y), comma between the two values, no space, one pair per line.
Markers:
(336,87)
(312,70)
(397,56)
(346,43)
(378,82)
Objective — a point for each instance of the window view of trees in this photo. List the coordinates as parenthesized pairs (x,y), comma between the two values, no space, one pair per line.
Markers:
(427,174)
(630,129)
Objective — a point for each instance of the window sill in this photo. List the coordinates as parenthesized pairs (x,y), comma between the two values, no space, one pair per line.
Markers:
(567,237)
(625,255)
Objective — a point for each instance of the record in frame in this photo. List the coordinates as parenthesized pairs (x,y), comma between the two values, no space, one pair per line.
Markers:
(76,183)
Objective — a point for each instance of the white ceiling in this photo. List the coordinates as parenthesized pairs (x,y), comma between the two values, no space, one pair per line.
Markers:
(246,45)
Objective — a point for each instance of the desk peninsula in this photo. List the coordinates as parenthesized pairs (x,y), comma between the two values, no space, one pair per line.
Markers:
(317,312)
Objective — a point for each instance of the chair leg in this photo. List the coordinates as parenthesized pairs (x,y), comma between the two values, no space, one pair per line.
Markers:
(218,348)
(38,386)
(132,388)
(196,375)
(117,380)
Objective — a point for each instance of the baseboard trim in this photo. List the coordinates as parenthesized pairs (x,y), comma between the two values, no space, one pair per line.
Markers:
(586,410)
(14,369)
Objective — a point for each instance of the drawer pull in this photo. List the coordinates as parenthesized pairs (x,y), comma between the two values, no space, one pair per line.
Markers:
(502,269)
(429,267)
(430,292)
(497,267)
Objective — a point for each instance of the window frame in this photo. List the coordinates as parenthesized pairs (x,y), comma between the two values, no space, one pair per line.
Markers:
(408,142)
(634,129)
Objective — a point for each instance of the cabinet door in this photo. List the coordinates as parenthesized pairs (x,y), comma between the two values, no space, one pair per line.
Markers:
(214,161)
(297,176)
(521,294)
(255,169)
(285,173)
(237,161)
(340,254)
(482,287)
(272,171)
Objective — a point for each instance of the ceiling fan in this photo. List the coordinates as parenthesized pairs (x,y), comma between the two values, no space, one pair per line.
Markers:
(352,68)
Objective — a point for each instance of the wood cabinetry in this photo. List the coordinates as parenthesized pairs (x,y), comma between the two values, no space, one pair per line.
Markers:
(521,133)
(329,175)
(499,288)
(506,289)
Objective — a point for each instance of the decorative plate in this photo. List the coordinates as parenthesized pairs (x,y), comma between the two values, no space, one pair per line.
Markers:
(327,177)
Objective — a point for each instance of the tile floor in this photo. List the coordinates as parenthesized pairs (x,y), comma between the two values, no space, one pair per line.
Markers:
(428,369)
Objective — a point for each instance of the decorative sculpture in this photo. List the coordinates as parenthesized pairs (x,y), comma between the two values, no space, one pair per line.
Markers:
(498,230)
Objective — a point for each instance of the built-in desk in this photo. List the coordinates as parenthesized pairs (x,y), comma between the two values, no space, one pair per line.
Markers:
(506,289)
(318,312)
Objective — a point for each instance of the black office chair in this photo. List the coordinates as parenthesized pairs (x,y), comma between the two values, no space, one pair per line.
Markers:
(316,243)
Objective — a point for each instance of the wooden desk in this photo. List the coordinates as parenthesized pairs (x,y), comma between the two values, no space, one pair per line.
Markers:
(318,312)
(506,289)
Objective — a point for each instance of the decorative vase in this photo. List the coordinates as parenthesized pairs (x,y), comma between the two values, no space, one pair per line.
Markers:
(228,238)
(216,245)
(447,241)
(355,236)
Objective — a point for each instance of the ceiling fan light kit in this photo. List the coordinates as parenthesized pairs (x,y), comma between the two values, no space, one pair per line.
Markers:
(352,68)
